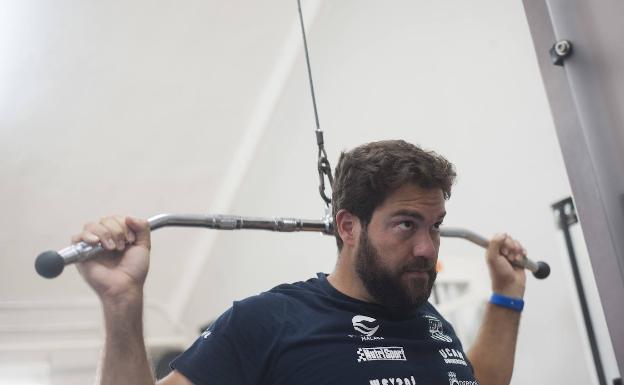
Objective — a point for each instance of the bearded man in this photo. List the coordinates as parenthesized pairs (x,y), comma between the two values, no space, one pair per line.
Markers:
(366,323)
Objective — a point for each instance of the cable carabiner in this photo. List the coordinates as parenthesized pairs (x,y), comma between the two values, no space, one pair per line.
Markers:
(324,171)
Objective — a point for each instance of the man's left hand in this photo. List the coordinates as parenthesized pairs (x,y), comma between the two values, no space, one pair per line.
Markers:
(506,279)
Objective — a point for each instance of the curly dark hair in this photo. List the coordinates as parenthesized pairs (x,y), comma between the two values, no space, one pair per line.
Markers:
(367,174)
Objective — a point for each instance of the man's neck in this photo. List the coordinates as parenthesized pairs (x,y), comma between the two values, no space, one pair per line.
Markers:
(345,279)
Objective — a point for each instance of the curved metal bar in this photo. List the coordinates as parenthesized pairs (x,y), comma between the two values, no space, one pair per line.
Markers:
(456,232)
(234,222)
(51,263)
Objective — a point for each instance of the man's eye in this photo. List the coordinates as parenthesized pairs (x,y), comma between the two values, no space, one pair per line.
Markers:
(437,226)
(406,225)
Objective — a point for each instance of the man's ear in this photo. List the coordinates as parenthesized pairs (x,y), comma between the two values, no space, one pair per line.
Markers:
(348,227)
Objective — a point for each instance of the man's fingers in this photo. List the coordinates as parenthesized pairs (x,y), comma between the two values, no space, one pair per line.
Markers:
(141,230)
(103,233)
(128,233)
(506,246)
(519,251)
(512,250)
(117,231)
(507,279)
(497,245)
(85,236)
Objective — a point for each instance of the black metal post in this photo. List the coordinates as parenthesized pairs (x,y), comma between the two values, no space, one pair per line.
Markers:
(566,214)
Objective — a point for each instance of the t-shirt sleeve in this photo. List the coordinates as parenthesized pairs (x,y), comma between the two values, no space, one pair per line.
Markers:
(233,350)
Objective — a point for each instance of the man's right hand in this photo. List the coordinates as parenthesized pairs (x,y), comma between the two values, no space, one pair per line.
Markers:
(120,273)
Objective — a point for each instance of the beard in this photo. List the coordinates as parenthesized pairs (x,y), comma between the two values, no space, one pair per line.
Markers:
(392,288)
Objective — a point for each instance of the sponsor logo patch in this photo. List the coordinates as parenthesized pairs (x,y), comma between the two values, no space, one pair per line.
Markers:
(384,353)
(453,356)
(366,326)
(454,381)
(436,330)
(358,325)
(394,381)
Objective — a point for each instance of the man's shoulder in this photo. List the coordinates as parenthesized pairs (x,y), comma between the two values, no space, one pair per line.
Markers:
(279,297)
(429,310)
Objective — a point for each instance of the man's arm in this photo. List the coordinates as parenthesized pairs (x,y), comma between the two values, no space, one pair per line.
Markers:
(492,354)
(125,358)
(118,279)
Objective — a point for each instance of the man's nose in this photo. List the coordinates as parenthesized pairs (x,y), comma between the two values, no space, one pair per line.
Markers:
(426,245)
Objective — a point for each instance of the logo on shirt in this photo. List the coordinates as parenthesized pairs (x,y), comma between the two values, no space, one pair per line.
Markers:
(454,381)
(435,329)
(453,356)
(453,378)
(206,334)
(358,325)
(394,381)
(366,326)
(389,353)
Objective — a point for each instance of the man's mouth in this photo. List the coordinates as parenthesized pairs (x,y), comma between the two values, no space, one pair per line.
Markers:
(420,273)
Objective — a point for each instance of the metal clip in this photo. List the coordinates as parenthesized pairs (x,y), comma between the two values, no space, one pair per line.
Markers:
(559,51)
(324,171)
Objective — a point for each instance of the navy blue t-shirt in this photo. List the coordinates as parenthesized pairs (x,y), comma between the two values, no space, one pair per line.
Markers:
(308,333)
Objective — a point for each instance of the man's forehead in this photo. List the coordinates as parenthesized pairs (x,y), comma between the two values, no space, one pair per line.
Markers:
(414,193)
(418,213)
(413,198)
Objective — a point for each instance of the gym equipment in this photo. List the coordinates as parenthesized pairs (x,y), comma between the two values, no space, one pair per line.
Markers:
(50,264)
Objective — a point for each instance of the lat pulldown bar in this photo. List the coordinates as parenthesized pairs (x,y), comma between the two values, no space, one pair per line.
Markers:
(50,264)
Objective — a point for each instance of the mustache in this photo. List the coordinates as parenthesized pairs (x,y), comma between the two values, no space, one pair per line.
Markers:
(419,264)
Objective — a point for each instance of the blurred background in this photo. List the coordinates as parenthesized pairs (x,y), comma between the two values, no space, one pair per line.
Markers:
(145,107)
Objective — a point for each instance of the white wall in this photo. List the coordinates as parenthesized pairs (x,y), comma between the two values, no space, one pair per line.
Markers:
(460,78)
(150,101)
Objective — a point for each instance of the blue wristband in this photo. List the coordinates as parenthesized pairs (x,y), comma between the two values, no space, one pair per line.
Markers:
(516,304)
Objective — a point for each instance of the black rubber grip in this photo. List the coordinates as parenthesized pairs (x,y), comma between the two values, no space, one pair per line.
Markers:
(49,264)
(543,270)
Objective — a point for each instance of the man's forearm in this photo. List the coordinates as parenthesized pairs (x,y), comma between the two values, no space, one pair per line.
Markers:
(125,359)
(492,354)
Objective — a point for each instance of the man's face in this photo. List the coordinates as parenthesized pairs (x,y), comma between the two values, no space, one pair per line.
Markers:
(398,250)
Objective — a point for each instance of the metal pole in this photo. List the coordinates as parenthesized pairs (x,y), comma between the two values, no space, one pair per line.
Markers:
(566,217)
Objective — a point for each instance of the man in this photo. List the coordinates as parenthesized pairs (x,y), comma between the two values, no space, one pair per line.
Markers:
(367,323)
